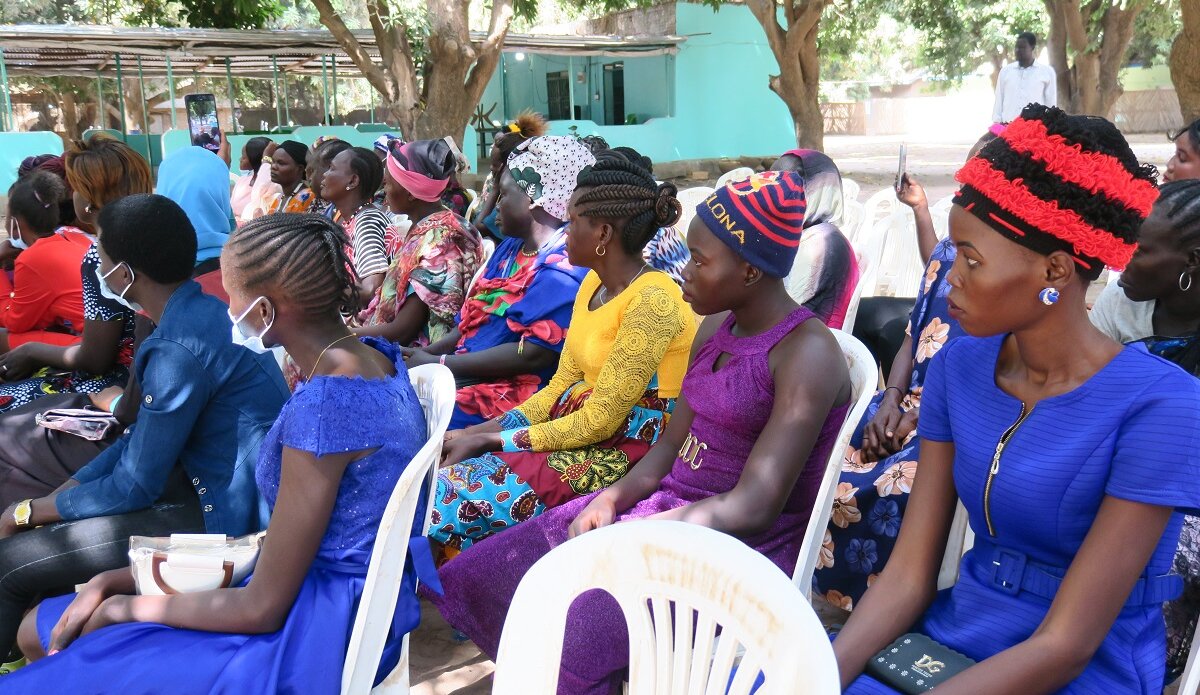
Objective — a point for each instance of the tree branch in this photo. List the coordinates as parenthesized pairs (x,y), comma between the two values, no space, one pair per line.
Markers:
(488,53)
(764,12)
(345,38)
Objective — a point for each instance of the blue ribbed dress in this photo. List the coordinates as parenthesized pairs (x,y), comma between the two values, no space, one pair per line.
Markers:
(1130,432)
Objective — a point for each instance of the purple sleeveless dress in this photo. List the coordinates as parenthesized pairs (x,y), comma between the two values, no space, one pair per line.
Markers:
(732,406)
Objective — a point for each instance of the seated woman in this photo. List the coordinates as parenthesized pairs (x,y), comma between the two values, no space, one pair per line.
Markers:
(251,190)
(349,184)
(194,178)
(766,394)
(1156,302)
(319,162)
(667,251)
(434,262)
(186,465)
(100,171)
(512,326)
(288,161)
(1062,445)
(526,126)
(616,383)
(286,628)
(44,300)
(1185,163)
(826,269)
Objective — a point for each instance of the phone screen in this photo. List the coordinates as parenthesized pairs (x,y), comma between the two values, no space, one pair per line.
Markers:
(202,121)
(901,169)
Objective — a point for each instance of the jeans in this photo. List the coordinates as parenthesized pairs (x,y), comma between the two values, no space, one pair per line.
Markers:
(52,559)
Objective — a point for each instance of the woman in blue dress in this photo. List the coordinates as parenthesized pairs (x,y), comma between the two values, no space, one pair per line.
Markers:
(327,474)
(1073,455)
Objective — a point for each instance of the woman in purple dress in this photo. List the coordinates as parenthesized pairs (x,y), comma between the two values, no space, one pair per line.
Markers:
(761,406)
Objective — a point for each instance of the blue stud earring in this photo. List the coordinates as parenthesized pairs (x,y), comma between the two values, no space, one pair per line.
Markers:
(1048,296)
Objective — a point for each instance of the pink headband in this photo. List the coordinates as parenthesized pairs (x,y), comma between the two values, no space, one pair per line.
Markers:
(419,186)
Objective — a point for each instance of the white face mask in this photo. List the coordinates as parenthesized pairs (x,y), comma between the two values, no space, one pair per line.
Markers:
(107,292)
(254,343)
(14,235)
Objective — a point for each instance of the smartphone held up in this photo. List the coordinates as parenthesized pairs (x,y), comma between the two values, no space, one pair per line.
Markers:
(902,169)
(202,121)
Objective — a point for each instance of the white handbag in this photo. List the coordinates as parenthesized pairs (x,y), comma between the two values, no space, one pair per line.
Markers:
(187,563)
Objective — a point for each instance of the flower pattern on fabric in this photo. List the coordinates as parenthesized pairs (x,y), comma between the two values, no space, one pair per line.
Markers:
(300,201)
(668,252)
(589,469)
(845,507)
(825,559)
(932,339)
(547,169)
(435,261)
(477,499)
(897,479)
(885,517)
(836,598)
(861,555)
(882,486)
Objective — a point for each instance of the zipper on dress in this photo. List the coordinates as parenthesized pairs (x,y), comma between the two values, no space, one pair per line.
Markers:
(995,469)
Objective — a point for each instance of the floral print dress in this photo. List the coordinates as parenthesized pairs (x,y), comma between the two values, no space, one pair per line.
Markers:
(871,497)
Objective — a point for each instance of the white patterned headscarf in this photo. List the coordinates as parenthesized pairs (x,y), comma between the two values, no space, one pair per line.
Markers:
(547,169)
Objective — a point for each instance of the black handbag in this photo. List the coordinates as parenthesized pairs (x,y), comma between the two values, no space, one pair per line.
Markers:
(915,664)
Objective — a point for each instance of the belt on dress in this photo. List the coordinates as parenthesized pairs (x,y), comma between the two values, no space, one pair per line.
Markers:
(419,555)
(1011,572)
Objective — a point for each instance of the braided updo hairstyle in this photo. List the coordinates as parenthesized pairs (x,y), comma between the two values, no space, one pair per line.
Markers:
(620,187)
(302,254)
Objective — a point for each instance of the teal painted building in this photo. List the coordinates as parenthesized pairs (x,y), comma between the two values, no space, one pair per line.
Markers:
(707,98)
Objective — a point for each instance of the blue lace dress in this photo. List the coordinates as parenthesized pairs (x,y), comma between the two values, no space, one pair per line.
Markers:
(872,497)
(324,416)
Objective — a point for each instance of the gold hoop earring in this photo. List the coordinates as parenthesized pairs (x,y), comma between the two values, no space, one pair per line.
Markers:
(601,249)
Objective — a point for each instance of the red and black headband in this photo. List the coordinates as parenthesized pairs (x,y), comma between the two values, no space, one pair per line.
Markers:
(1056,182)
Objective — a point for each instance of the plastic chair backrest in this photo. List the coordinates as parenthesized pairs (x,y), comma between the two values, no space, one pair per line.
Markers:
(903,269)
(850,190)
(880,206)
(852,219)
(865,267)
(864,376)
(689,199)
(960,540)
(738,174)
(434,385)
(869,246)
(676,583)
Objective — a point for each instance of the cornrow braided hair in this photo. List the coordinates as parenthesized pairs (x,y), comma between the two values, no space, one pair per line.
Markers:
(1180,200)
(304,255)
(625,190)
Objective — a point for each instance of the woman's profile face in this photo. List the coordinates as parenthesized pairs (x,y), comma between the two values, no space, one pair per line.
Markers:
(994,282)
(1185,164)
(1155,269)
(715,275)
(513,206)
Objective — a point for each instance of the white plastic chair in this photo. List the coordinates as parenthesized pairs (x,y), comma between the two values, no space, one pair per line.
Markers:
(434,385)
(850,190)
(864,268)
(864,376)
(853,213)
(689,199)
(676,583)
(960,540)
(739,174)
(902,270)
(879,206)
(869,247)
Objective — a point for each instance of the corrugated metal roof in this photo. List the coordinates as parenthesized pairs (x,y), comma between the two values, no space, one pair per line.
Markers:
(87,50)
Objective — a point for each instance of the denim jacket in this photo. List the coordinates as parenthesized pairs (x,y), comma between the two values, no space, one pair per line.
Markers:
(206,405)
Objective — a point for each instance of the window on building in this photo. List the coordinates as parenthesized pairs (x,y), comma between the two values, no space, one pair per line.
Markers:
(614,94)
(558,95)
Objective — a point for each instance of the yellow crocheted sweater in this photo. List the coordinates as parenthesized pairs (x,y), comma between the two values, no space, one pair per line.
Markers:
(615,350)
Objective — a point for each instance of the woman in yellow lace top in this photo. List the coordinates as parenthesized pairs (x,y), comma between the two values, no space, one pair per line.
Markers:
(618,377)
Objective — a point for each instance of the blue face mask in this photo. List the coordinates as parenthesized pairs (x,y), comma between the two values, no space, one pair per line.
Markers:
(254,343)
(107,292)
(14,235)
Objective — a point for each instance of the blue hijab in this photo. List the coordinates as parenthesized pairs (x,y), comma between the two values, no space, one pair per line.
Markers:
(198,181)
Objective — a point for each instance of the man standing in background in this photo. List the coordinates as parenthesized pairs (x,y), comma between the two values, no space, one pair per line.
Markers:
(1024,82)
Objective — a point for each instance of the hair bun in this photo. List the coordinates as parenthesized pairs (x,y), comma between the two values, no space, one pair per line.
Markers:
(667,208)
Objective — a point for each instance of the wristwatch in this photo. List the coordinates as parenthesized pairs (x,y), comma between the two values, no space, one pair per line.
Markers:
(268,159)
(22,512)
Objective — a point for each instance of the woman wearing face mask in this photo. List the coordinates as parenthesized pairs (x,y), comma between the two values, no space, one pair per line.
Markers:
(434,261)
(42,303)
(288,161)
(100,171)
(187,465)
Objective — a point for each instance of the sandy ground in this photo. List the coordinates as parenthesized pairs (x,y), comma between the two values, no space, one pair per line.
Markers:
(441,665)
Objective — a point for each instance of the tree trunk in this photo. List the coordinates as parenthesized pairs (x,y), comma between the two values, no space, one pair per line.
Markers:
(70,115)
(1088,51)
(798,83)
(997,61)
(1185,62)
